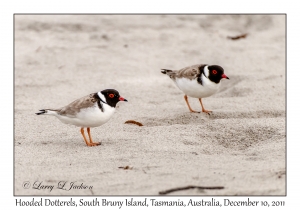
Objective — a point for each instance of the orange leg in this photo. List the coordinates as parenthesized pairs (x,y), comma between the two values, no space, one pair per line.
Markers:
(91,140)
(204,110)
(187,102)
(82,133)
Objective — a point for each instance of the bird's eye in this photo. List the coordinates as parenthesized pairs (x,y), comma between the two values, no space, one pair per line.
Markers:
(214,71)
(111,95)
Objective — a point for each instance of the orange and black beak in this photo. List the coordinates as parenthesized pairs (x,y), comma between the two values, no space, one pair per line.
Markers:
(122,99)
(224,76)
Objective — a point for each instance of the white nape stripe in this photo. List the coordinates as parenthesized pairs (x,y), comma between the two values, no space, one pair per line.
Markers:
(101,96)
(206,71)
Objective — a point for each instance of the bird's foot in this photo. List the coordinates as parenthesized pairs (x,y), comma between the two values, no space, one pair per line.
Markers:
(193,111)
(206,111)
(94,144)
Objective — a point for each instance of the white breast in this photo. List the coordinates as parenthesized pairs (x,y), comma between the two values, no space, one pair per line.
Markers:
(90,117)
(193,89)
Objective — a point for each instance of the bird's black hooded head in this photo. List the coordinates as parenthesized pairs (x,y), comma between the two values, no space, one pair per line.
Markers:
(216,73)
(112,97)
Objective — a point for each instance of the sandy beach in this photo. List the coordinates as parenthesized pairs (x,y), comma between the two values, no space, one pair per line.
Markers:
(241,146)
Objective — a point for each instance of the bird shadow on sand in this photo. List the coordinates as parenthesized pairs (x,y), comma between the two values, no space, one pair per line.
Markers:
(233,81)
(195,118)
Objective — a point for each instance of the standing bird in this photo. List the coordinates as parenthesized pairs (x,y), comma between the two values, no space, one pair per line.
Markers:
(197,81)
(89,111)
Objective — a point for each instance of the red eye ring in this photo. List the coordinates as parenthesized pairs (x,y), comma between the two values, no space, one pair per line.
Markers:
(111,95)
(214,71)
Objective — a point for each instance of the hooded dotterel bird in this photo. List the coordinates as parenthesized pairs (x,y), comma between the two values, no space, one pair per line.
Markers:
(89,111)
(197,81)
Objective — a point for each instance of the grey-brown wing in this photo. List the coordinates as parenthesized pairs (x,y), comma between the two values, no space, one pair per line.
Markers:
(81,103)
(189,72)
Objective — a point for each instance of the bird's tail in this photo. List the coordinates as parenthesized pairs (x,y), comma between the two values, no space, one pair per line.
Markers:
(166,71)
(47,112)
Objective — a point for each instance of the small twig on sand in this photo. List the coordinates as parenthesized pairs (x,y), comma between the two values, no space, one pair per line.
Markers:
(126,167)
(189,187)
(133,122)
(237,37)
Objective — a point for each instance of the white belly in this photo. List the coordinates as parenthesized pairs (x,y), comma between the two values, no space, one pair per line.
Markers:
(89,117)
(193,89)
